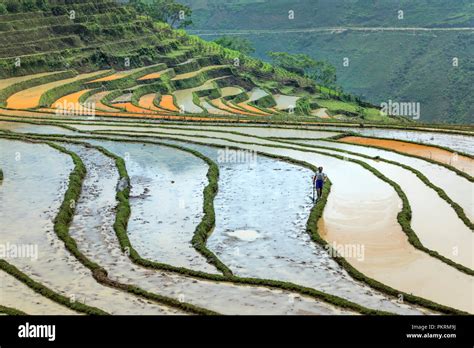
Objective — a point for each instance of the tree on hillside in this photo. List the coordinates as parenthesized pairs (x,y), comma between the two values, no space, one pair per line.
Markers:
(302,64)
(168,11)
(236,43)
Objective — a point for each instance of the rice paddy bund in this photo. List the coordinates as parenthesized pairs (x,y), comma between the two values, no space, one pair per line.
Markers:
(183,184)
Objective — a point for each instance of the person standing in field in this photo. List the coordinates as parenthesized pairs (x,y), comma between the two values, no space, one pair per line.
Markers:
(318,182)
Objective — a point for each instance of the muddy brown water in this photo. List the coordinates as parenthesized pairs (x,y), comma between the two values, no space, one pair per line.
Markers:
(455,186)
(460,162)
(462,143)
(447,234)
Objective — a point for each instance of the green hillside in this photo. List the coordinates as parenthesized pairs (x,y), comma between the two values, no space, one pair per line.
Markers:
(397,65)
(73,37)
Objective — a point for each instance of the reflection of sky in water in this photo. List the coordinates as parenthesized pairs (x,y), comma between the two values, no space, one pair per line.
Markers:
(32,128)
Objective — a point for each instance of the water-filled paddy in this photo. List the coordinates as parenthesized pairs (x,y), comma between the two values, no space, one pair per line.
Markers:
(261,211)
(19,127)
(99,243)
(31,193)
(285,102)
(357,215)
(460,162)
(454,185)
(17,295)
(166,202)
(344,223)
(462,143)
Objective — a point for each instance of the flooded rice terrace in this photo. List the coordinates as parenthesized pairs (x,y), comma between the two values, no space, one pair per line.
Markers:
(261,213)
(261,210)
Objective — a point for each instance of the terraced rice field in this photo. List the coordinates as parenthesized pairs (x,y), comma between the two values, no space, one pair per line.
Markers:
(175,218)
(219,216)
(30,98)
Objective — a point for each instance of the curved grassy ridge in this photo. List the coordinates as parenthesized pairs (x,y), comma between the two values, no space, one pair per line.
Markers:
(404,219)
(158,87)
(239,98)
(186,67)
(211,93)
(49,97)
(64,218)
(127,81)
(164,78)
(11,311)
(343,135)
(265,102)
(47,292)
(107,100)
(457,208)
(264,109)
(265,123)
(6,27)
(312,229)
(123,213)
(83,98)
(201,78)
(20,86)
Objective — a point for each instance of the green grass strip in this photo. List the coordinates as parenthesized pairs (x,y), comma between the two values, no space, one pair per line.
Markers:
(312,229)
(47,292)
(457,208)
(413,239)
(11,311)
(50,96)
(17,87)
(201,233)
(450,167)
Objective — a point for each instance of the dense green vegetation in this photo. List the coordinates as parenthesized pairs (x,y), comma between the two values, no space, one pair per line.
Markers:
(401,66)
(236,43)
(84,35)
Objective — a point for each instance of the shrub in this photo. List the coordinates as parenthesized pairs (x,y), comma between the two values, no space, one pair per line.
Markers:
(13,6)
(42,4)
(28,5)
(3,9)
